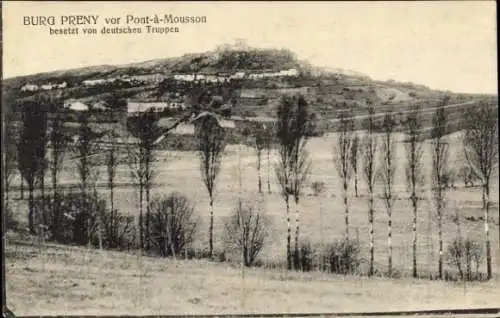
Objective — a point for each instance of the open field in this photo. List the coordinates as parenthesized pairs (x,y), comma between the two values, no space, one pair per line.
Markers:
(66,280)
(322,218)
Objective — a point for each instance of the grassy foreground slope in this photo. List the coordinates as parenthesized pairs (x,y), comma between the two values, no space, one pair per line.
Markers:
(66,280)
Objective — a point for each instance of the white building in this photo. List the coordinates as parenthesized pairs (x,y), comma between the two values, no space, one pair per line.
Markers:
(139,107)
(238,75)
(76,105)
(94,82)
(184,77)
(48,87)
(29,88)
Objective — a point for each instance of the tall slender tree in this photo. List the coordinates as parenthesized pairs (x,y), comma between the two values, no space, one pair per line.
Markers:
(414,176)
(387,173)
(211,145)
(481,152)
(59,143)
(301,164)
(259,144)
(342,160)
(9,146)
(370,145)
(31,150)
(268,144)
(145,128)
(439,162)
(111,165)
(289,137)
(85,148)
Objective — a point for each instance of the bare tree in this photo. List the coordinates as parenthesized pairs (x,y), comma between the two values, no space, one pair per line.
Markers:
(247,230)
(31,150)
(354,161)
(370,145)
(414,176)
(212,141)
(481,152)
(173,224)
(342,160)
(439,162)
(387,173)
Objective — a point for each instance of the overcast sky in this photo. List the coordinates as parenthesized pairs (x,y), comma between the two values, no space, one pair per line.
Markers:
(444,45)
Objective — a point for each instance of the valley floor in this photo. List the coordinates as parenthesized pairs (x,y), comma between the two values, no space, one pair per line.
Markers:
(68,280)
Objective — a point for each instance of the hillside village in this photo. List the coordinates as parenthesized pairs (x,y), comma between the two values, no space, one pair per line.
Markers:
(244,85)
(175,102)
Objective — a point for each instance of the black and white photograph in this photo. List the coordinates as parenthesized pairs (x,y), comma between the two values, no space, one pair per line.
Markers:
(250,159)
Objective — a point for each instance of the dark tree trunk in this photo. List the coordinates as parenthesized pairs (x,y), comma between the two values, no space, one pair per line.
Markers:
(148,216)
(346,211)
(297,234)
(389,245)
(211,227)
(258,171)
(22,188)
(31,209)
(141,221)
(268,169)
(414,239)
(356,182)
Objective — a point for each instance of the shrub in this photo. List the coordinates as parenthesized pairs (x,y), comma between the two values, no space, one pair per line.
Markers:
(343,256)
(247,230)
(70,218)
(118,230)
(464,255)
(318,187)
(304,259)
(10,221)
(172,224)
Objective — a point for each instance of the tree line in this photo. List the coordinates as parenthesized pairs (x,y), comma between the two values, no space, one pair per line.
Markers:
(166,223)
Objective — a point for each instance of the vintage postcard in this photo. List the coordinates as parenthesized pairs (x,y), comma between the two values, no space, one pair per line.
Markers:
(250,158)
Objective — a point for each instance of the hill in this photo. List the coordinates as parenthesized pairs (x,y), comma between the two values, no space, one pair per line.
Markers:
(252,82)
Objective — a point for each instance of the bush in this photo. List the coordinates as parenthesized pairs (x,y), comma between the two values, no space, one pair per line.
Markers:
(172,224)
(69,218)
(464,255)
(119,230)
(246,231)
(318,187)
(343,257)
(10,221)
(304,257)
